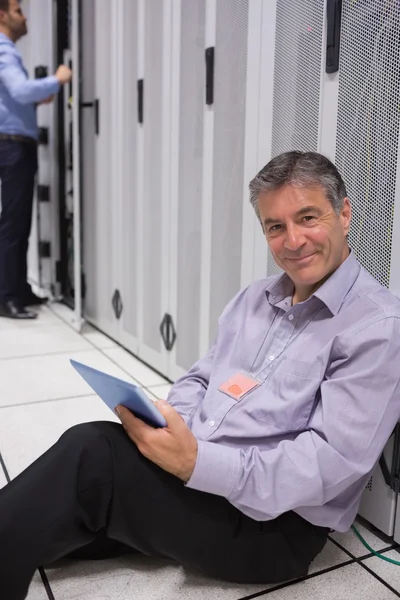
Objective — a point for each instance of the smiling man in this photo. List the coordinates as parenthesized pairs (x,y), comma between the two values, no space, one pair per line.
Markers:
(270,438)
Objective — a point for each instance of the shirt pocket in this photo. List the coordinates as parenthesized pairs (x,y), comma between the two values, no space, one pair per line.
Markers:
(286,399)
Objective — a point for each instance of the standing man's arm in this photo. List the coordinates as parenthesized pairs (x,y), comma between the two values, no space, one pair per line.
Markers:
(29,91)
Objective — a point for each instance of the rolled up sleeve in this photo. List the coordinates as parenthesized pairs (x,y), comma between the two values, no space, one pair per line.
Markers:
(22,89)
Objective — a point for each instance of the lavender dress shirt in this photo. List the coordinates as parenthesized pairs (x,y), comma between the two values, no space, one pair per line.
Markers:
(308,437)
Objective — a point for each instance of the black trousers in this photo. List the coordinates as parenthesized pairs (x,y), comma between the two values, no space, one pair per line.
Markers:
(18,166)
(94,491)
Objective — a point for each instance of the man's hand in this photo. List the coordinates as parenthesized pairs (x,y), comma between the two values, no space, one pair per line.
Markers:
(173,448)
(63,74)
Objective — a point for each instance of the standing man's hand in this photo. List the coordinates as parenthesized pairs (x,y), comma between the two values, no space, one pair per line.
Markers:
(173,448)
(63,74)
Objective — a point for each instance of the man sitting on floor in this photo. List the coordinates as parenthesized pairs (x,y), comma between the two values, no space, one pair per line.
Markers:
(271,436)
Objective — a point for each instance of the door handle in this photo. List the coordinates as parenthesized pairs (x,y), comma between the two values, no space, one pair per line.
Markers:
(96,105)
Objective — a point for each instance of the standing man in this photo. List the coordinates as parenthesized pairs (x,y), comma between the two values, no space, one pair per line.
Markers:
(19,97)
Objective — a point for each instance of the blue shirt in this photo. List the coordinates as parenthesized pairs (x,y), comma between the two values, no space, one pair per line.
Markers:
(308,437)
(19,94)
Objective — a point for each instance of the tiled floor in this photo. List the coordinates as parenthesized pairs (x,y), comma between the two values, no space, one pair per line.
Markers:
(41,396)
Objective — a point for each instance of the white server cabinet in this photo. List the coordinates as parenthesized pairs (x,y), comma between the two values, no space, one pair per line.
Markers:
(100,169)
(126,153)
(145,200)
(214,120)
(38,49)
(167,223)
(352,116)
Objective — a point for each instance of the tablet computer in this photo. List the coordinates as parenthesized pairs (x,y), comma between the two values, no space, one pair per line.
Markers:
(114,391)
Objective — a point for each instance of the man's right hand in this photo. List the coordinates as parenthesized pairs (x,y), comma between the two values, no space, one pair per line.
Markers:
(63,74)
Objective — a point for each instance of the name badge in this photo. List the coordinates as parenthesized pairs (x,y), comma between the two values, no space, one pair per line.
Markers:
(238,386)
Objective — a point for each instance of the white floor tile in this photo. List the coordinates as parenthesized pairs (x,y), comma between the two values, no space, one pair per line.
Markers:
(350,541)
(161,391)
(330,556)
(97,338)
(40,340)
(41,378)
(46,318)
(389,572)
(37,590)
(349,583)
(143,374)
(151,579)
(28,431)
(64,313)
(139,577)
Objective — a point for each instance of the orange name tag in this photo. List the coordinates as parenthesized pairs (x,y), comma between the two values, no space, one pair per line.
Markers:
(238,386)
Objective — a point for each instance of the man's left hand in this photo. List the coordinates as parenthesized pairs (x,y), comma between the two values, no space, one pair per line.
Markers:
(173,448)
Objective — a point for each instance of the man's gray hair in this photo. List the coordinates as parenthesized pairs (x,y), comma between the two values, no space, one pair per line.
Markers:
(299,169)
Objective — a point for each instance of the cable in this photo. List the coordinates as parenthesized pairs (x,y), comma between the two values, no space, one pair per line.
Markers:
(360,537)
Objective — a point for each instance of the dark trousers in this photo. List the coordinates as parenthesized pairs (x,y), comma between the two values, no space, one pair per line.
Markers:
(94,491)
(18,166)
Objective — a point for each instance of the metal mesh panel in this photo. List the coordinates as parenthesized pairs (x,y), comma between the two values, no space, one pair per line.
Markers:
(192,78)
(297,80)
(129,199)
(229,136)
(153,139)
(297,75)
(368,126)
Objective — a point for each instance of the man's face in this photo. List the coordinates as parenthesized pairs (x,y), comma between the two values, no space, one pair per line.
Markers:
(14,20)
(305,235)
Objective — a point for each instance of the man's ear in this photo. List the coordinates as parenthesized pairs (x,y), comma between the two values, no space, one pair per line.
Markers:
(345,215)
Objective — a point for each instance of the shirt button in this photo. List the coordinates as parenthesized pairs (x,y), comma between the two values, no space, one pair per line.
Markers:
(291,317)
(211,423)
(271,357)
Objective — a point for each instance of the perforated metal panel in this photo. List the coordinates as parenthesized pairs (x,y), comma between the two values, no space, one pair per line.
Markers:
(192,79)
(229,136)
(152,209)
(129,213)
(368,126)
(297,75)
(297,81)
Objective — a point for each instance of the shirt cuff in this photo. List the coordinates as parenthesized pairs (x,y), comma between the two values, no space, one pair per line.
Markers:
(54,85)
(216,470)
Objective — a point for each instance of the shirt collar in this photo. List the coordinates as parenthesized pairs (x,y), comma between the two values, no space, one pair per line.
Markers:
(5,38)
(331,293)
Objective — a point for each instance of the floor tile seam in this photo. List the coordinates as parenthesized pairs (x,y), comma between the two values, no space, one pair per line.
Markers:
(118,346)
(47,400)
(299,580)
(361,560)
(385,549)
(45,354)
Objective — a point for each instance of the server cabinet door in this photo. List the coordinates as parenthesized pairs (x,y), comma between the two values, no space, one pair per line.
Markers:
(291,89)
(224,169)
(367,137)
(38,49)
(188,125)
(214,117)
(99,191)
(153,181)
(129,42)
